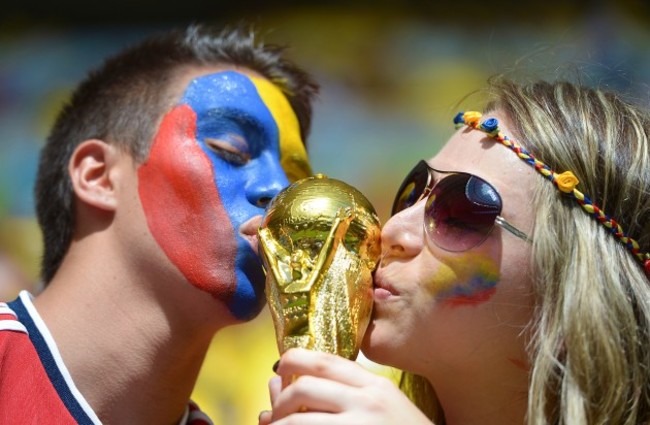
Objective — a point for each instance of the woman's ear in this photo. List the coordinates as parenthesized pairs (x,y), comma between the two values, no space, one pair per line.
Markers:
(89,169)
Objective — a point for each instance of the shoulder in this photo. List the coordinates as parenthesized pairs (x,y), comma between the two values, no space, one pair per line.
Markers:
(9,319)
(32,375)
(16,349)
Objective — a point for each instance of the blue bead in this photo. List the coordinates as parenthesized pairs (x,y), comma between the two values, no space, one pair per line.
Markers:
(490,125)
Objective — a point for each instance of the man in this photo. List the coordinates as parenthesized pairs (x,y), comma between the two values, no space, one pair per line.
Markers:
(149,194)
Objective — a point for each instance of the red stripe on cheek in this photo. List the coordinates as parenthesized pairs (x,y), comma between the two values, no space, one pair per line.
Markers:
(183,209)
(474,299)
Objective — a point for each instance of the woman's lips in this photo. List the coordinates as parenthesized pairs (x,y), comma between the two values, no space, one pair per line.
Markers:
(381,294)
(382,289)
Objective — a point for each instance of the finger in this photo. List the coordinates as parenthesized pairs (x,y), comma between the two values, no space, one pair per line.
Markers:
(306,362)
(309,393)
(275,386)
(311,418)
(264,418)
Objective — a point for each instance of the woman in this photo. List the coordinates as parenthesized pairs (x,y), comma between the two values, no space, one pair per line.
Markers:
(522,301)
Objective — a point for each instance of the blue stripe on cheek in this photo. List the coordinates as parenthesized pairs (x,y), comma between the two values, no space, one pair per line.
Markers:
(227,104)
(248,299)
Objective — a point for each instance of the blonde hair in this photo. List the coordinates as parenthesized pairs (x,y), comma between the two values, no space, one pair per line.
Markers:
(590,345)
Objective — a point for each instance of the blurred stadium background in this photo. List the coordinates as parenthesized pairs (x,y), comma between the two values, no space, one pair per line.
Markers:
(392,75)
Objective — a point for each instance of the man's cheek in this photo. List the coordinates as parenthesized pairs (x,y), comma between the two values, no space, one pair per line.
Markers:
(183,208)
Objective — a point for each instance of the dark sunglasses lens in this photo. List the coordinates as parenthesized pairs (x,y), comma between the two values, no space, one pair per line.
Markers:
(461,211)
(412,187)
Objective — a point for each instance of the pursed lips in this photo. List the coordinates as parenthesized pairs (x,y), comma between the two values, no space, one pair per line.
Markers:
(248,231)
(380,283)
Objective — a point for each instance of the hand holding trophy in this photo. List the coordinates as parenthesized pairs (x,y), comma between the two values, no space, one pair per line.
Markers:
(320,242)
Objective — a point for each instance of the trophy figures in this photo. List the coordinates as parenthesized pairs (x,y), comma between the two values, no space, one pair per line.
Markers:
(319,242)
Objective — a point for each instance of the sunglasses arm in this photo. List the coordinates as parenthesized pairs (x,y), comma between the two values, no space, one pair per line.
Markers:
(500,221)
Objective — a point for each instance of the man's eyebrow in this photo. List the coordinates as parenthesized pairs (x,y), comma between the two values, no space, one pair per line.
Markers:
(241,117)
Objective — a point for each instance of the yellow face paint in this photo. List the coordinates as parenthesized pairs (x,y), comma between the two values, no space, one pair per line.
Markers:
(293,155)
(465,279)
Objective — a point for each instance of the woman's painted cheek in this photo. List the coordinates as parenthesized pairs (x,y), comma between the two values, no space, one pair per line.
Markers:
(293,156)
(465,280)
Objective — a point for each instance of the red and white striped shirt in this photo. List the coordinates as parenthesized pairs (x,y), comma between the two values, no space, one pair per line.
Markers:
(35,385)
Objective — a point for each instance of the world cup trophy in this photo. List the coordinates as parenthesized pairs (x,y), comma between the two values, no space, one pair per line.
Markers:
(320,242)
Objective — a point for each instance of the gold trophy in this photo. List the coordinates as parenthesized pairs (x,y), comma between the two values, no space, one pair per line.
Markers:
(320,242)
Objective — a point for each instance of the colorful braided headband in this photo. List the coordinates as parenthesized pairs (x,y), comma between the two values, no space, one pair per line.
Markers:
(565,182)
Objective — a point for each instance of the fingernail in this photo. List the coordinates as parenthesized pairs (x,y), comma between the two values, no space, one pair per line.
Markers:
(275,366)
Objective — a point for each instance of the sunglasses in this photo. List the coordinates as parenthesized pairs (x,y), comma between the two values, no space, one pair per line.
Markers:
(461,208)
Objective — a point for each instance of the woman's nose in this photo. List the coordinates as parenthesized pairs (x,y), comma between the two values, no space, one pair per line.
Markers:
(403,233)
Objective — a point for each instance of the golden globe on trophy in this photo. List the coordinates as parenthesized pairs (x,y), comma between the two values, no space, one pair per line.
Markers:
(320,242)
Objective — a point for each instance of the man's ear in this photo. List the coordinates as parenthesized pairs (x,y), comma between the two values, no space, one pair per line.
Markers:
(89,169)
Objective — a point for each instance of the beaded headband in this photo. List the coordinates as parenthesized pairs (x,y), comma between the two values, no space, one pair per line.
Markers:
(565,182)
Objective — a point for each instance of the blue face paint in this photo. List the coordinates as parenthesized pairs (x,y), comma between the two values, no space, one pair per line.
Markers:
(237,132)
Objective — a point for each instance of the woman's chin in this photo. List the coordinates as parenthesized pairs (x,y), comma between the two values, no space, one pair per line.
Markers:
(371,345)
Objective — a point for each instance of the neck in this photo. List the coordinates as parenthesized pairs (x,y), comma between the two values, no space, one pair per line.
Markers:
(130,340)
(496,396)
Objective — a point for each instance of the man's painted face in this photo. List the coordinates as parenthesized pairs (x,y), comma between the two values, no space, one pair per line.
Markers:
(217,159)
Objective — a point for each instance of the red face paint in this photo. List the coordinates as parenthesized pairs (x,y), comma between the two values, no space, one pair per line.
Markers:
(475,298)
(183,208)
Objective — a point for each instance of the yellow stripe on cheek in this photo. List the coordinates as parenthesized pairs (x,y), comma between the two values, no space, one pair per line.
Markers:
(442,281)
(293,155)
(466,274)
